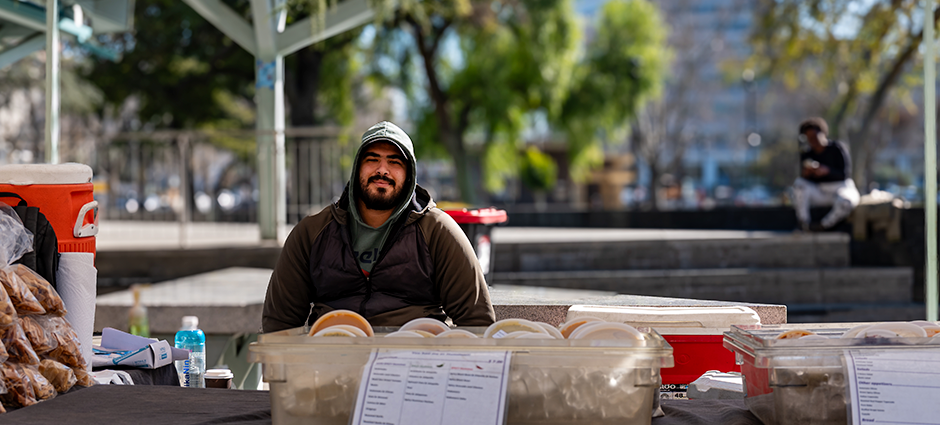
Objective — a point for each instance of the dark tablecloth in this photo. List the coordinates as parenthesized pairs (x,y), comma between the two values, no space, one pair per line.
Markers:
(165,375)
(162,405)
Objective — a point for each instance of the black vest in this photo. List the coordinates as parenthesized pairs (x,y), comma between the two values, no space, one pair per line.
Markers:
(402,275)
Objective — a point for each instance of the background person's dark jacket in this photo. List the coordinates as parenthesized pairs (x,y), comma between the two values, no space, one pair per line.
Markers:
(835,156)
(427,268)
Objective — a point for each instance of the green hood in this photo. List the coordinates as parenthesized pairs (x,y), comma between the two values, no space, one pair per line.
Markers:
(367,241)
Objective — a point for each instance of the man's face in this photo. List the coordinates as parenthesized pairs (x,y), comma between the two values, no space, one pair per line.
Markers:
(815,138)
(382,173)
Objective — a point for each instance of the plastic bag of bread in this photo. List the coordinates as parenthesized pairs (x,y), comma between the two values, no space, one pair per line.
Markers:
(41,289)
(83,378)
(3,390)
(39,332)
(24,302)
(42,389)
(67,350)
(59,375)
(4,355)
(19,386)
(18,346)
(15,240)
(7,312)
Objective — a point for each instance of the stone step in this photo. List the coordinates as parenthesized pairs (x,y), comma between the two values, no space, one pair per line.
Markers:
(533,250)
(854,312)
(773,286)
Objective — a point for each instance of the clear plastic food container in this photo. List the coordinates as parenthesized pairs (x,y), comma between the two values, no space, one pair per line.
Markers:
(794,381)
(316,380)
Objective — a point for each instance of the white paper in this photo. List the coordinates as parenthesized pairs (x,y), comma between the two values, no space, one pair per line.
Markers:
(112,377)
(894,386)
(150,356)
(401,387)
(114,339)
(76,283)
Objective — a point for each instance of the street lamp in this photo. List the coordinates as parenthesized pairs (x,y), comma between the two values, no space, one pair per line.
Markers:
(753,138)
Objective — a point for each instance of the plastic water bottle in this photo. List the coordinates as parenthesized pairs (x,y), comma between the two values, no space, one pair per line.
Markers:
(192,371)
(137,316)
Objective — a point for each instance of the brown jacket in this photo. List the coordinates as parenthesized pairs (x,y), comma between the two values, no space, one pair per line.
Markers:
(427,268)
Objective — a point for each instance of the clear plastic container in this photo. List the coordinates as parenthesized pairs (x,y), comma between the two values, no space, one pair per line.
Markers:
(793,381)
(315,380)
(695,333)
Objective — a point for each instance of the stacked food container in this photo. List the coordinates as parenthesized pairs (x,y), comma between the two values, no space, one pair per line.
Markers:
(315,380)
(800,373)
(695,334)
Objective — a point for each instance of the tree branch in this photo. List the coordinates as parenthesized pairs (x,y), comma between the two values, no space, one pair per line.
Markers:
(888,80)
(434,87)
(439,34)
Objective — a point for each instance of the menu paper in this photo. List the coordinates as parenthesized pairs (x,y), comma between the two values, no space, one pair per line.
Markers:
(401,387)
(894,386)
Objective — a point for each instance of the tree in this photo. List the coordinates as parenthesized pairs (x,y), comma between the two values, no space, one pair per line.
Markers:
(488,70)
(186,73)
(670,124)
(482,67)
(539,172)
(853,55)
(625,67)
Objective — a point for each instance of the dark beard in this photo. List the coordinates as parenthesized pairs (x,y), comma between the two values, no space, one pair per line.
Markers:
(378,201)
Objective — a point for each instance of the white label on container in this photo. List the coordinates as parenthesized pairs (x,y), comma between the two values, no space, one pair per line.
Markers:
(433,387)
(894,386)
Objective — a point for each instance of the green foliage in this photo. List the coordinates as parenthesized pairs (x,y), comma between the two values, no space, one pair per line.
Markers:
(855,52)
(539,171)
(338,75)
(624,67)
(332,66)
(177,63)
(476,73)
(501,160)
(473,70)
(858,54)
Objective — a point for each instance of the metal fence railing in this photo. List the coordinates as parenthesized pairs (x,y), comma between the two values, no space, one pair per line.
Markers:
(212,177)
(191,177)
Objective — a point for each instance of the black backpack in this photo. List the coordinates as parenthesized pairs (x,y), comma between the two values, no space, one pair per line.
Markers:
(44,258)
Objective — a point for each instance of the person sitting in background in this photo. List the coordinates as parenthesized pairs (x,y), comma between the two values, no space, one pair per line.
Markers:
(382,250)
(825,177)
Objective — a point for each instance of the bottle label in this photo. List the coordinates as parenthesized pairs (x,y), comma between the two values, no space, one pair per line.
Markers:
(186,373)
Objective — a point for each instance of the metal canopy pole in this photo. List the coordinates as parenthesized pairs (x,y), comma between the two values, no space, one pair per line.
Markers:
(52,81)
(930,159)
(269,95)
(269,39)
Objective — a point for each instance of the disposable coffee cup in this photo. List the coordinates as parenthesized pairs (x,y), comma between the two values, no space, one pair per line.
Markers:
(219,378)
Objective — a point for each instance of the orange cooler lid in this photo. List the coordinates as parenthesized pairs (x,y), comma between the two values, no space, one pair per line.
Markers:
(28,174)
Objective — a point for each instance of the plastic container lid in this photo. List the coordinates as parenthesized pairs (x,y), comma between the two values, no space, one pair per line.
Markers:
(760,343)
(26,174)
(426,324)
(479,216)
(219,374)
(672,320)
(457,333)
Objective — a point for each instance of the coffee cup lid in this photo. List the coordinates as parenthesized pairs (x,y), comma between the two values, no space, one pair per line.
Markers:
(219,374)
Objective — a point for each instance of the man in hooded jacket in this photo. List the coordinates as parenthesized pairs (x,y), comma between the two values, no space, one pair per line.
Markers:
(383,250)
